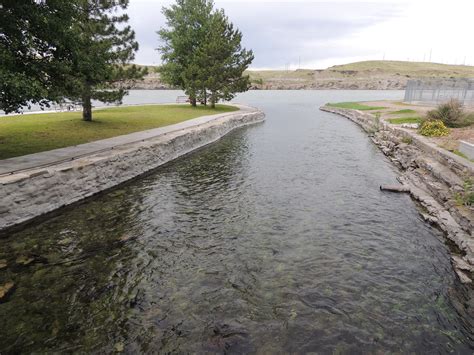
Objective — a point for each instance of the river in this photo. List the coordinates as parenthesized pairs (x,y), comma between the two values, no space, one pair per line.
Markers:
(276,239)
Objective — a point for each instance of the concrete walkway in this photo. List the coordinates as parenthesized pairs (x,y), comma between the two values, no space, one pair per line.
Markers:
(51,157)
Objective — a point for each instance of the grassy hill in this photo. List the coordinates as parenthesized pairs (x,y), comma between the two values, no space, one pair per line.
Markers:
(415,69)
(368,75)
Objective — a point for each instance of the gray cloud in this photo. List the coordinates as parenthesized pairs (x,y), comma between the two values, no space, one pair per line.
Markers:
(278,33)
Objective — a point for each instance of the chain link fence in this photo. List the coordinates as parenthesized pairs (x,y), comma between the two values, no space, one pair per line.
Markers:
(435,91)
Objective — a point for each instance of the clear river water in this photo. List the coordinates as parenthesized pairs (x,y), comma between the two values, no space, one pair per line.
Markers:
(275,239)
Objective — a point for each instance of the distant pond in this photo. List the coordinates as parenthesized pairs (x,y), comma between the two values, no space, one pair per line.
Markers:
(276,239)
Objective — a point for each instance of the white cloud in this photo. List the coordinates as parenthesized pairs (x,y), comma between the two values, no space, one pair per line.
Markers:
(319,34)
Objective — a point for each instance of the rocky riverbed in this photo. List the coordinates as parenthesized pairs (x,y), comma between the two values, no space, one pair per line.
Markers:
(435,178)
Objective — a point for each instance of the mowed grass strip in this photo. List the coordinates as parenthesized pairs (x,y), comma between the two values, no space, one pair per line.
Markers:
(403,120)
(355,106)
(27,134)
(402,112)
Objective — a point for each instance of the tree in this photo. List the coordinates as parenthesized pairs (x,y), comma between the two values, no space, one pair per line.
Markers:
(104,46)
(202,52)
(186,30)
(51,50)
(33,57)
(223,61)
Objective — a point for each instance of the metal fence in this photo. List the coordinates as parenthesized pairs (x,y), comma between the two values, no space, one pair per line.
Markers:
(435,91)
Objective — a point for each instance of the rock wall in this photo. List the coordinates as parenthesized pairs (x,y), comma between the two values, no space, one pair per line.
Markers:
(29,194)
(435,178)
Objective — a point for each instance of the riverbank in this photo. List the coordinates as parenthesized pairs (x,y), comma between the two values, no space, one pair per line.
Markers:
(35,184)
(32,133)
(261,225)
(434,177)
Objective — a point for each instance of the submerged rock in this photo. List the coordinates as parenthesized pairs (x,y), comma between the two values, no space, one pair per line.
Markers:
(3,264)
(24,260)
(434,178)
(119,347)
(6,290)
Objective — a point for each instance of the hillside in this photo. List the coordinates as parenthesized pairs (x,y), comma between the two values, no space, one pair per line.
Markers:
(368,75)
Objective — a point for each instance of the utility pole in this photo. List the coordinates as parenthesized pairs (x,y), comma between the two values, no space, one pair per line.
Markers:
(431,51)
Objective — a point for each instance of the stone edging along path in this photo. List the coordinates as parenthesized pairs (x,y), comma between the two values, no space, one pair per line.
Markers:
(35,184)
(433,176)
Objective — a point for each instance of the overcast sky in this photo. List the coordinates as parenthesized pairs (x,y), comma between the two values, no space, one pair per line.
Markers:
(318,34)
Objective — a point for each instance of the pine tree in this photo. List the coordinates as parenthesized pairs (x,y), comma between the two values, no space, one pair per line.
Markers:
(223,60)
(202,52)
(51,50)
(186,31)
(33,51)
(101,55)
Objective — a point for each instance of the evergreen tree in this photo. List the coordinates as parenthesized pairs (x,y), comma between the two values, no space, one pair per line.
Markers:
(52,50)
(33,55)
(104,46)
(223,61)
(202,52)
(186,31)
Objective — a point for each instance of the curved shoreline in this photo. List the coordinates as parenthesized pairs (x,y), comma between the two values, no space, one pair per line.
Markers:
(33,190)
(433,176)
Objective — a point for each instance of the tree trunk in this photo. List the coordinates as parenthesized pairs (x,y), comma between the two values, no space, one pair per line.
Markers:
(205,97)
(213,100)
(193,101)
(86,108)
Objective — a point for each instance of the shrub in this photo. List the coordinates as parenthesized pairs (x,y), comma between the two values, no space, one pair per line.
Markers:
(407,140)
(434,128)
(468,119)
(452,114)
(467,196)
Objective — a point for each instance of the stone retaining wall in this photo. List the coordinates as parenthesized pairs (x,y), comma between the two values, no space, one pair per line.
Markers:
(467,149)
(435,177)
(29,194)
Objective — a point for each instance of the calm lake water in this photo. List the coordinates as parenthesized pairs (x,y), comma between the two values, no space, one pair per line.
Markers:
(276,239)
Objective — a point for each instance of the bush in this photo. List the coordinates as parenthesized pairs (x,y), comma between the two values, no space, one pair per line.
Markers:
(467,196)
(451,114)
(434,128)
(468,119)
(407,140)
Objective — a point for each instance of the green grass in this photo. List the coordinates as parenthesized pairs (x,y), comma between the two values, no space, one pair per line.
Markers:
(26,134)
(402,120)
(402,112)
(462,155)
(403,68)
(355,106)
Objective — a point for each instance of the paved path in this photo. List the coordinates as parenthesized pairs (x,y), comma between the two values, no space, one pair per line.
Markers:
(51,157)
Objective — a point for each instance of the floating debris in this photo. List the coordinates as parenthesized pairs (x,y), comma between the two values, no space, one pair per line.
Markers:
(395,188)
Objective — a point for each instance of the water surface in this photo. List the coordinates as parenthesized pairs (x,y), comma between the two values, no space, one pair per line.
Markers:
(276,239)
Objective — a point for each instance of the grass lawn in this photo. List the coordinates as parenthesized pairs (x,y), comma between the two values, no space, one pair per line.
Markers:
(404,120)
(355,106)
(401,112)
(26,134)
